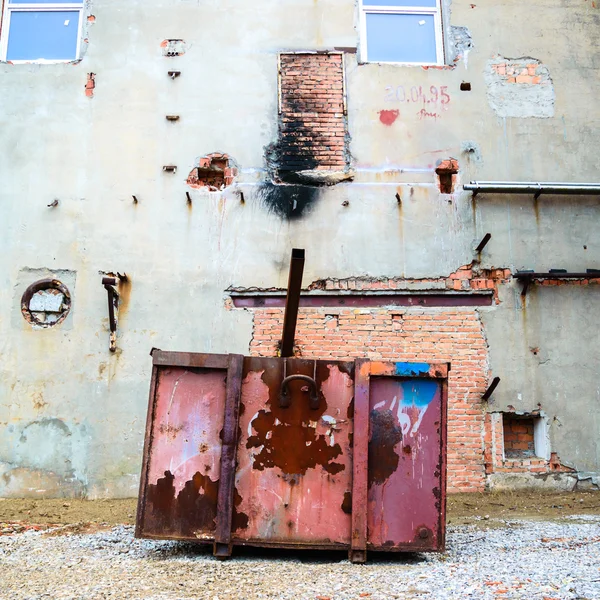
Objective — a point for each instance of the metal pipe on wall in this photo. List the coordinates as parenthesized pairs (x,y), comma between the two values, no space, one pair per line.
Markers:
(534,187)
(292,302)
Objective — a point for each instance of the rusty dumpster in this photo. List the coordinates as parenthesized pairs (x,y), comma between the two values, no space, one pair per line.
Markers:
(295,453)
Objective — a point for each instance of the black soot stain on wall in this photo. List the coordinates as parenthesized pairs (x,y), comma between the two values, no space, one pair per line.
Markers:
(288,201)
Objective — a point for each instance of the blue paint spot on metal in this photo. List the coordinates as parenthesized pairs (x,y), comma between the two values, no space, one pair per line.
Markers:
(418,393)
(408,369)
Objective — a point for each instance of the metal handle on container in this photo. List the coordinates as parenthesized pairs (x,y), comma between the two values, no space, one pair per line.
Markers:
(285,398)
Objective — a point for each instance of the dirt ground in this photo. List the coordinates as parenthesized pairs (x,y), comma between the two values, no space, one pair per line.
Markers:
(462,508)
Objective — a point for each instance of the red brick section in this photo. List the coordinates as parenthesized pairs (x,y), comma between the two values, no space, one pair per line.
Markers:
(420,335)
(90,85)
(518,437)
(465,279)
(520,71)
(214,172)
(447,172)
(312,124)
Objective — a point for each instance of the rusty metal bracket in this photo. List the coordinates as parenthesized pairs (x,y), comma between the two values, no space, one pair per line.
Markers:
(491,389)
(113,307)
(222,545)
(360,481)
(483,243)
(285,398)
(292,302)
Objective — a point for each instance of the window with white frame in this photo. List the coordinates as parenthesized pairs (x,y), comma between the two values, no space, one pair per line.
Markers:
(41,31)
(402,31)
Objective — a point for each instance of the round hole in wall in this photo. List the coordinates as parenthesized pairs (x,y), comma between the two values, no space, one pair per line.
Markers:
(46,303)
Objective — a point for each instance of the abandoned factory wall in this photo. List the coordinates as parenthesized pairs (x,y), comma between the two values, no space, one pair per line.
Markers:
(189,146)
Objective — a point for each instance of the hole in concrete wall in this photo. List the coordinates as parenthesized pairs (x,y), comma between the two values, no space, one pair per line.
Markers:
(46,303)
(332,321)
(525,436)
(465,86)
(446,171)
(213,172)
(173,47)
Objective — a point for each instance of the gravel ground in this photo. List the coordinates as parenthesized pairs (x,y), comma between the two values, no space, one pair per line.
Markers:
(510,559)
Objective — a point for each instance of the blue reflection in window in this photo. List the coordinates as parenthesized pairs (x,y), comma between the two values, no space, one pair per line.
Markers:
(401,38)
(49,35)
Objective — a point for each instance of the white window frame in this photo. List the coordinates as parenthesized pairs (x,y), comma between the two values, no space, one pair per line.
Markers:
(36,7)
(436,11)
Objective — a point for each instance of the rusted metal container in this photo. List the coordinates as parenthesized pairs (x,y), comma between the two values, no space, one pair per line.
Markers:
(295,453)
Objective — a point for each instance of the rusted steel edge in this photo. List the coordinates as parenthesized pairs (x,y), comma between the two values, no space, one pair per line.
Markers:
(292,302)
(365,300)
(190,359)
(443,465)
(360,453)
(139,523)
(255,543)
(222,545)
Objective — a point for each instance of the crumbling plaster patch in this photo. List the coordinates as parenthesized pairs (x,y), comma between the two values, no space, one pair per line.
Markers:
(519,87)
(461,43)
(173,47)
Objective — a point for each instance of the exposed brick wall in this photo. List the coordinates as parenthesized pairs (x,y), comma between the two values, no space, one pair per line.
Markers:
(518,437)
(214,172)
(90,85)
(447,172)
(420,335)
(520,71)
(465,279)
(312,123)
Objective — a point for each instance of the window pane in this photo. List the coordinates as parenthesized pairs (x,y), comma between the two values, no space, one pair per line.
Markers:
(45,2)
(399,3)
(401,38)
(43,34)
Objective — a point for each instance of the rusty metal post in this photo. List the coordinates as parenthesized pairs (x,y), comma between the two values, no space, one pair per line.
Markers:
(292,302)
(360,482)
(113,305)
(222,543)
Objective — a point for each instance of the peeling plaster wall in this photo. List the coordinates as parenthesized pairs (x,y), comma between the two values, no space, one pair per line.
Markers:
(93,152)
(520,87)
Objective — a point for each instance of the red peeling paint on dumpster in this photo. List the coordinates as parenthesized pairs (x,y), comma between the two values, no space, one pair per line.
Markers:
(294,463)
(183,472)
(352,455)
(405,454)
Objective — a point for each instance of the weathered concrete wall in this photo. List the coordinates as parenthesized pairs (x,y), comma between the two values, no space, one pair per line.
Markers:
(72,414)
